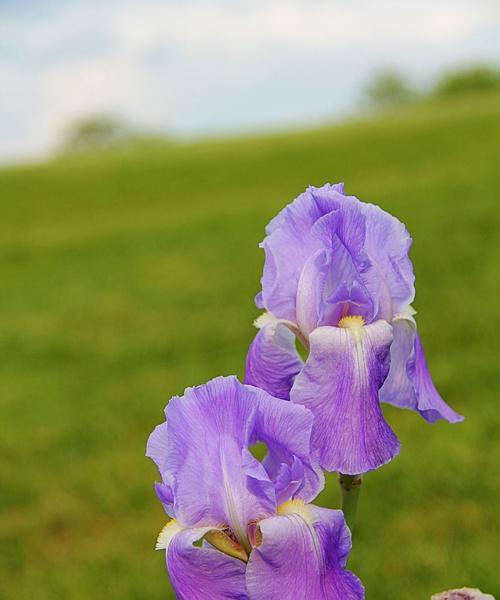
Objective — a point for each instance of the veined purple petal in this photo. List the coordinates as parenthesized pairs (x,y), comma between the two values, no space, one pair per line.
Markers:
(210,477)
(340,384)
(390,276)
(288,246)
(330,280)
(308,207)
(289,478)
(345,225)
(409,383)
(430,404)
(156,448)
(203,573)
(165,495)
(397,389)
(342,233)
(272,361)
(303,556)
(215,480)
(325,241)
(286,430)
(311,290)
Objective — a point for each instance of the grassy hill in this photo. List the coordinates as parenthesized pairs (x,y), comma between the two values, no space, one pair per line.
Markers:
(128,276)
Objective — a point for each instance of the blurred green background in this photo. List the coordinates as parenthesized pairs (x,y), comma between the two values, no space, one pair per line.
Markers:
(129,274)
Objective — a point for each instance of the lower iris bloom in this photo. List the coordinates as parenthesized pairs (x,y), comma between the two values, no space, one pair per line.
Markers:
(337,276)
(240,528)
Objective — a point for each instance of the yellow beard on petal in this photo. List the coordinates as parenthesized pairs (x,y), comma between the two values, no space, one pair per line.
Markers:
(355,324)
(295,507)
(352,321)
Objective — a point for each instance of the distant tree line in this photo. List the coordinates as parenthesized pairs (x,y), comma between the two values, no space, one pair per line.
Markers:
(101,132)
(391,88)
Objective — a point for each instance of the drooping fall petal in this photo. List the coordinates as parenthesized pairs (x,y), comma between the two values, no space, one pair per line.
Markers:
(303,556)
(203,573)
(340,384)
(409,383)
(272,360)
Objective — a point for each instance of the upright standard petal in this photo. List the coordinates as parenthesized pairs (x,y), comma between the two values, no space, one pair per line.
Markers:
(311,289)
(409,383)
(390,277)
(289,244)
(286,429)
(303,556)
(342,233)
(339,384)
(273,361)
(325,240)
(203,573)
(215,480)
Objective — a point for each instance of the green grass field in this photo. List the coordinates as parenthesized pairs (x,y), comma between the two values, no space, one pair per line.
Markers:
(129,276)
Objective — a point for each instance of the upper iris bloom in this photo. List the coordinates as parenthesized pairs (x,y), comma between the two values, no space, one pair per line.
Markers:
(337,275)
(259,539)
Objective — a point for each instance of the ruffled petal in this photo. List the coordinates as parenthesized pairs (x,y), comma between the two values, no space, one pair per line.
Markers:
(273,361)
(324,240)
(215,480)
(389,277)
(342,233)
(156,448)
(286,430)
(409,383)
(340,384)
(203,573)
(311,290)
(210,477)
(302,556)
(289,244)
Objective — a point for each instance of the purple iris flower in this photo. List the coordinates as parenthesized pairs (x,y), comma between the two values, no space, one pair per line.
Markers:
(337,275)
(243,529)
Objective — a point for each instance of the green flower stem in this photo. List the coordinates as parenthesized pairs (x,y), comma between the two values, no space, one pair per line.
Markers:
(350,486)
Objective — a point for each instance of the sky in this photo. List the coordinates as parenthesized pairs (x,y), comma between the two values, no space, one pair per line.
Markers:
(209,67)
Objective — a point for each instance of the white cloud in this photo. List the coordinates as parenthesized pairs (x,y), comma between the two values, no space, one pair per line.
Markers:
(202,64)
(310,26)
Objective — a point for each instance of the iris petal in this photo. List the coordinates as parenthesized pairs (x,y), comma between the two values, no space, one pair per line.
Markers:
(390,277)
(289,244)
(302,556)
(397,389)
(203,573)
(210,477)
(214,482)
(272,361)
(324,240)
(340,384)
(409,383)
(286,429)
(430,404)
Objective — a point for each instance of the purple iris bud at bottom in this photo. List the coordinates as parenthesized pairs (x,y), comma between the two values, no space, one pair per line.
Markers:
(463,594)
(242,528)
(338,278)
